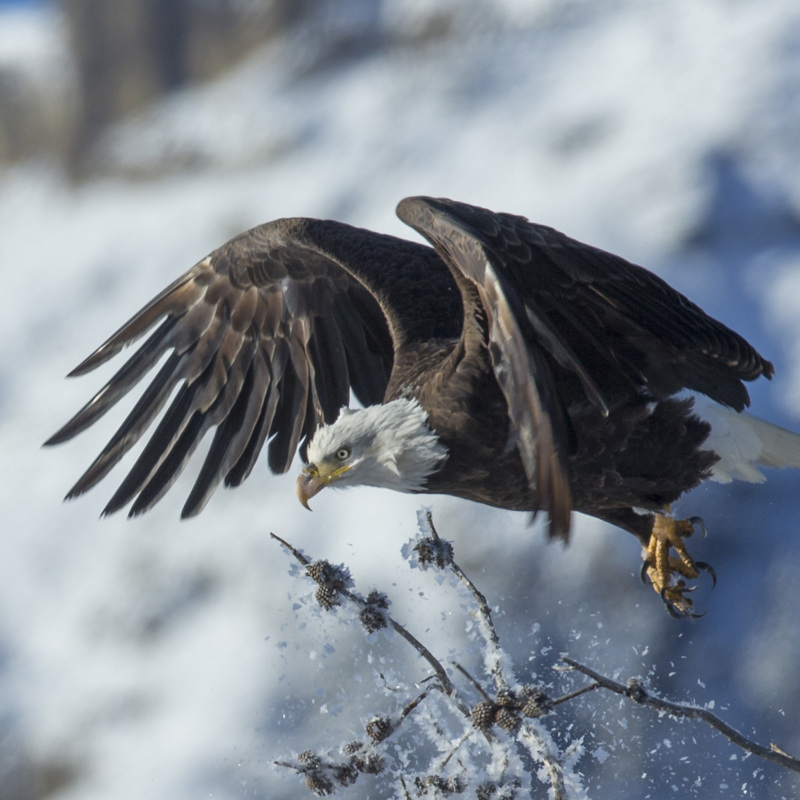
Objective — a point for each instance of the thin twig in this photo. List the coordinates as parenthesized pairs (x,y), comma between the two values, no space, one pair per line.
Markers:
(293,550)
(641,696)
(541,748)
(475,685)
(541,752)
(444,680)
(447,686)
(412,705)
(480,598)
(455,747)
(572,695)
(484,611)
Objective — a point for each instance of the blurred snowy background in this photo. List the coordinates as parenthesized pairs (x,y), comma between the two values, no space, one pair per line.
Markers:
(173,661)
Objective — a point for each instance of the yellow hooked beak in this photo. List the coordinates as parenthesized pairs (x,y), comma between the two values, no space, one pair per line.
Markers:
(313,479)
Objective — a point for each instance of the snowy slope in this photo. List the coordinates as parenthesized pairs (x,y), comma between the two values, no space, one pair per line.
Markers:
(170,660)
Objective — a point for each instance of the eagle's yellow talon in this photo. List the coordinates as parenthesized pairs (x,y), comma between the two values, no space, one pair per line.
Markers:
(667,572)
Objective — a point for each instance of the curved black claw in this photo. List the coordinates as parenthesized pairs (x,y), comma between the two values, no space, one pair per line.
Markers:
(646,564)
(678,613)
(706,567)
(700,523)
(672,609)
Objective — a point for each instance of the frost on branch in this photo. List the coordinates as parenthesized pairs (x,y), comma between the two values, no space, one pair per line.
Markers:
(495,753)
(492,736)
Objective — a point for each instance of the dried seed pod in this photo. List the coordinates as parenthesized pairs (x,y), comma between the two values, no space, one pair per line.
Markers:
(378,728)
(537,704)
(378,599)
(486,791)
(507,719)
(317,570)
(368,763)
(483,715)
(436,552)
(319,784)
(326,574)
(455,784)
(309,757)
(506,698)
(491,791)
(445,786)
(327,597)
(373,615)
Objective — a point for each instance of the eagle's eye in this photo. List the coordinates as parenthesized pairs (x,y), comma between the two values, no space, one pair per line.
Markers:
(343,453)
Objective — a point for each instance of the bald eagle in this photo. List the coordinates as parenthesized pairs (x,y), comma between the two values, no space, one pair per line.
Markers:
(507,364)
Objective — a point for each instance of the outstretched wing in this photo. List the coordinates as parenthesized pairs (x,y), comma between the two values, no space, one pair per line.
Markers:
(555,304)
(266,337)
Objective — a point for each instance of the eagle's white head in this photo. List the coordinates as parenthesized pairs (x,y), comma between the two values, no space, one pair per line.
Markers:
(389,445)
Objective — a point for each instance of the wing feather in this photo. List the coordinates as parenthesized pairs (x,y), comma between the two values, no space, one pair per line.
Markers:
(122,382)
(658,336)
(247,460)
(230,440)
(166,433)
(138,420)
(175,300)
(264,339)
(291,405)
(556,305)
(360,348)
(518,359)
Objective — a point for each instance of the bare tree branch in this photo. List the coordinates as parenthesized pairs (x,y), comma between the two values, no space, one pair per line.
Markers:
(634,690)
(441,674)
(484,612)
(541,751)
(505,725)
(537,739)
(480,598)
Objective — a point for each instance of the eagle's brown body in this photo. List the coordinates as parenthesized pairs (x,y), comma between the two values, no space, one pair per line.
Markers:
(639,455)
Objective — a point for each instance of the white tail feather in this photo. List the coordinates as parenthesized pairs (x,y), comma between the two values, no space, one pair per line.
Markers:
(744,443)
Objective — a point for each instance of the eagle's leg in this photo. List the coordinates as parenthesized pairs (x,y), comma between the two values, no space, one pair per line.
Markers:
(668,573)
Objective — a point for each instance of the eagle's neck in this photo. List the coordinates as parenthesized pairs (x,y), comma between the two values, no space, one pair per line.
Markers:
(406,447)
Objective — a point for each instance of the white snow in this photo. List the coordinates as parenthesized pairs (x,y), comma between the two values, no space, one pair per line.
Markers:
(170,660)
(33,44)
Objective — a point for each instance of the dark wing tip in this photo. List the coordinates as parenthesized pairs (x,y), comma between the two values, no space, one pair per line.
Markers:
(72,495)
(98,357)
(70,429)
(191,510)
(57,438)
(560,512)
(114,505)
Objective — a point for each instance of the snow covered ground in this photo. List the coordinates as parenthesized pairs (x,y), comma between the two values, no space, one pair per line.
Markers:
(152,658)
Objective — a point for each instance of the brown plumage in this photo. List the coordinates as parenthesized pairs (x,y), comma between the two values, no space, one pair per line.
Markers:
(547,368)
